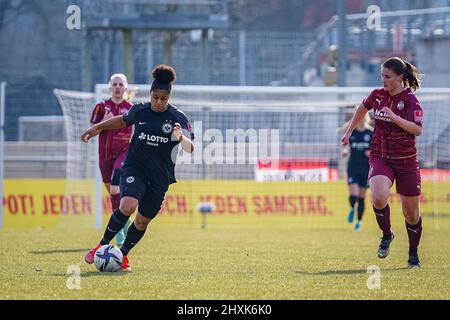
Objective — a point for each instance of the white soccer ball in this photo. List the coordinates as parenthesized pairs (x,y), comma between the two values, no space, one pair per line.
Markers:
(108,258)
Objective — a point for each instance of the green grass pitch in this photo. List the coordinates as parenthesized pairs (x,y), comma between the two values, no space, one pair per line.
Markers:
(255,258)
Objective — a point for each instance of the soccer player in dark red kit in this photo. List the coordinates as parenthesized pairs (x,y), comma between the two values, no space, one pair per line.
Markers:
(113,144)
(149,168)
(398,120)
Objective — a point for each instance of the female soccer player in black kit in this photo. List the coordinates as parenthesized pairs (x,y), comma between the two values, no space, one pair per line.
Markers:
(149,167)
(358,169)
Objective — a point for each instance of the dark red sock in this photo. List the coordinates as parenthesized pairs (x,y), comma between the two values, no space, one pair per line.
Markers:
(414,234)
(115,201)
(384,219)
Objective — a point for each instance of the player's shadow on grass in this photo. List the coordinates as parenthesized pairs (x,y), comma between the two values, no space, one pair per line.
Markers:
(92,274)
(343,272)
(59,251)
(102,274)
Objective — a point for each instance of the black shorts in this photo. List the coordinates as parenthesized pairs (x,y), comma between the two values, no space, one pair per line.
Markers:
(358,177)
(133,184)
(115,180)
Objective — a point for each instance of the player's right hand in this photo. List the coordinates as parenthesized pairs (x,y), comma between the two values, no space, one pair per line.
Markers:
(346,138)
(89,133)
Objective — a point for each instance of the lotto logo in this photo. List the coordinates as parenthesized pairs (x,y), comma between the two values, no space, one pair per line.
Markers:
(153,138)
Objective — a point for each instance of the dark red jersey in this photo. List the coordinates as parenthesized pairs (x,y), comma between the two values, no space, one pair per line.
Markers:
(389,140)
(112,143)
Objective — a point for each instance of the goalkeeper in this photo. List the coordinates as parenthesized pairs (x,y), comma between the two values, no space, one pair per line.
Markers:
(113,144)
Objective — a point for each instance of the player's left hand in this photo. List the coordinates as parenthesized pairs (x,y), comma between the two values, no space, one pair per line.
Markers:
(89,133)
(178,132)
(391,115)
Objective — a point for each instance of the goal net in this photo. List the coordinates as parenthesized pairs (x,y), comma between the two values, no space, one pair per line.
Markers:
(270,152)
(82,174)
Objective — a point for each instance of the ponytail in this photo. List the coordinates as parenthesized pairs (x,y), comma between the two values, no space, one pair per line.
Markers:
(129,95)
(411,77)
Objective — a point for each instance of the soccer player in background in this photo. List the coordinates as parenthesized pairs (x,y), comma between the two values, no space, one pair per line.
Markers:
(398,120)
(149,167)
(113,144)
(358,168)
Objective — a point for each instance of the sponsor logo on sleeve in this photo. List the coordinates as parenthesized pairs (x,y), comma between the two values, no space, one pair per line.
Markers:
(418,115)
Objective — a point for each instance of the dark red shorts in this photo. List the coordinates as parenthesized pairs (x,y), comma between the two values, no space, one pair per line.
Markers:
(107,167)
(405,173)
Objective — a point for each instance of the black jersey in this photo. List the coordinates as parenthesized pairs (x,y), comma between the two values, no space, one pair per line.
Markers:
(153,149)
(359,143)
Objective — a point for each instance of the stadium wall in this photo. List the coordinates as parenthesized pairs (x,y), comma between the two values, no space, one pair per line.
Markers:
(432,60)
(35,203)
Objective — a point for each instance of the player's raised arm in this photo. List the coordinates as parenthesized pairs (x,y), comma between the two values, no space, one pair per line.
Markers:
(185,142)
(113,123)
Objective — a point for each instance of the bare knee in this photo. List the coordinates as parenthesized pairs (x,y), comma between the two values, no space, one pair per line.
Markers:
(141,222)
(113,190)
(380,186)
(127,207)
(379,200)
(411,216)
(410,206)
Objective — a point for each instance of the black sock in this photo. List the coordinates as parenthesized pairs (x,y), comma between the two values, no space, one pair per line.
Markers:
(133,237)
(352,201)
(360,208)
(116,223)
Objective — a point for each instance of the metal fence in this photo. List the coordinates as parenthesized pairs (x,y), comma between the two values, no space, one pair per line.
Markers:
(308,124)
(58,58)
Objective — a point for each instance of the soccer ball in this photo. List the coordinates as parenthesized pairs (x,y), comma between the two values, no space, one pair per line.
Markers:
(108,258)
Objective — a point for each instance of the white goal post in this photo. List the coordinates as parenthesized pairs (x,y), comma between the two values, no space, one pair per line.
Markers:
(2,138)
(82,160)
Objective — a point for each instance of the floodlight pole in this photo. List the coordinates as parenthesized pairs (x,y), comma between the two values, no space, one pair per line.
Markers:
(98,179)
(342,47)
(2,138)
(128,54)
(206,58)
(86,67)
